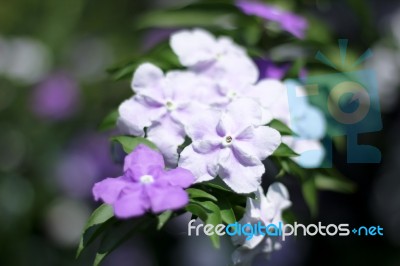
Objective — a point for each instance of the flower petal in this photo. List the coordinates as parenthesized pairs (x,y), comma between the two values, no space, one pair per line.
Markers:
(277,199)
(147,79)
(206,146)
(267,92)
(238,67)
(261,144)
(240,178)
(167,135)
(179,177)
(132,204)
(193,47)
(109,189)
(142,161)
(164,198)
(203,125)
(244,112)
(134,115)
(203,166)
(312,152)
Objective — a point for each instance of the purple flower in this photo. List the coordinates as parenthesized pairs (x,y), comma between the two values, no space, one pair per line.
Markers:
(270,70)
(163,104)
(230,145)
(57,97)
(290,22)
(145,185)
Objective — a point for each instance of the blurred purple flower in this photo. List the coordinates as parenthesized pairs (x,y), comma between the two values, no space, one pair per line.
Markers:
(145,185)
(56,98)
(86,161)
(268,69)
(290,22)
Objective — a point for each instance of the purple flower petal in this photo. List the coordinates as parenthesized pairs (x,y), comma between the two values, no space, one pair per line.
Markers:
(164,198)
(290,22)
(178,177)
(145,185)
(143,161)
(109,189)
(132,204)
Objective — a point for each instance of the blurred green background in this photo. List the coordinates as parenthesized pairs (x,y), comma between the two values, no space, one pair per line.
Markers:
(55,92)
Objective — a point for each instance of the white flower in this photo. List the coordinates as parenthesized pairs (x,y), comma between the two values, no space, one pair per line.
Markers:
(163,104)
(231,145)
(266,209)
(218,58)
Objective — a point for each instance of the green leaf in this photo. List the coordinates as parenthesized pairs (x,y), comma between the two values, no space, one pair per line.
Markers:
(129,143)
(310,195)
(163,219)
(109,121)
(332,183)
(198,193)
(118,234)
(284,151)
(281,127)
(288,216)
(252,31)
(227,213)
(184,18)
(239,212)
(290,167)
(96,224)
(218,184)
(209,213)
(161,55)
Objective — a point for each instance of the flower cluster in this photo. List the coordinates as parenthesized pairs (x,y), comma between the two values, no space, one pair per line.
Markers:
(210,121)
(218,102)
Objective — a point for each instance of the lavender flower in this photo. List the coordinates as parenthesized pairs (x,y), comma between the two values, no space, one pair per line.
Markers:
(163,104)
(217,58)
(56,98)
(145,185)
(230,145)
(289,22)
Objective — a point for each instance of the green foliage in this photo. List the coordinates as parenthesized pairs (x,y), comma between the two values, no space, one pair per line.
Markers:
(310,195)
(119,233)
(163,219)
(281,127)
(97,223)
(109,121)
(129,143)
(209,213)
(161,55)
(198,193)
(284,151)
